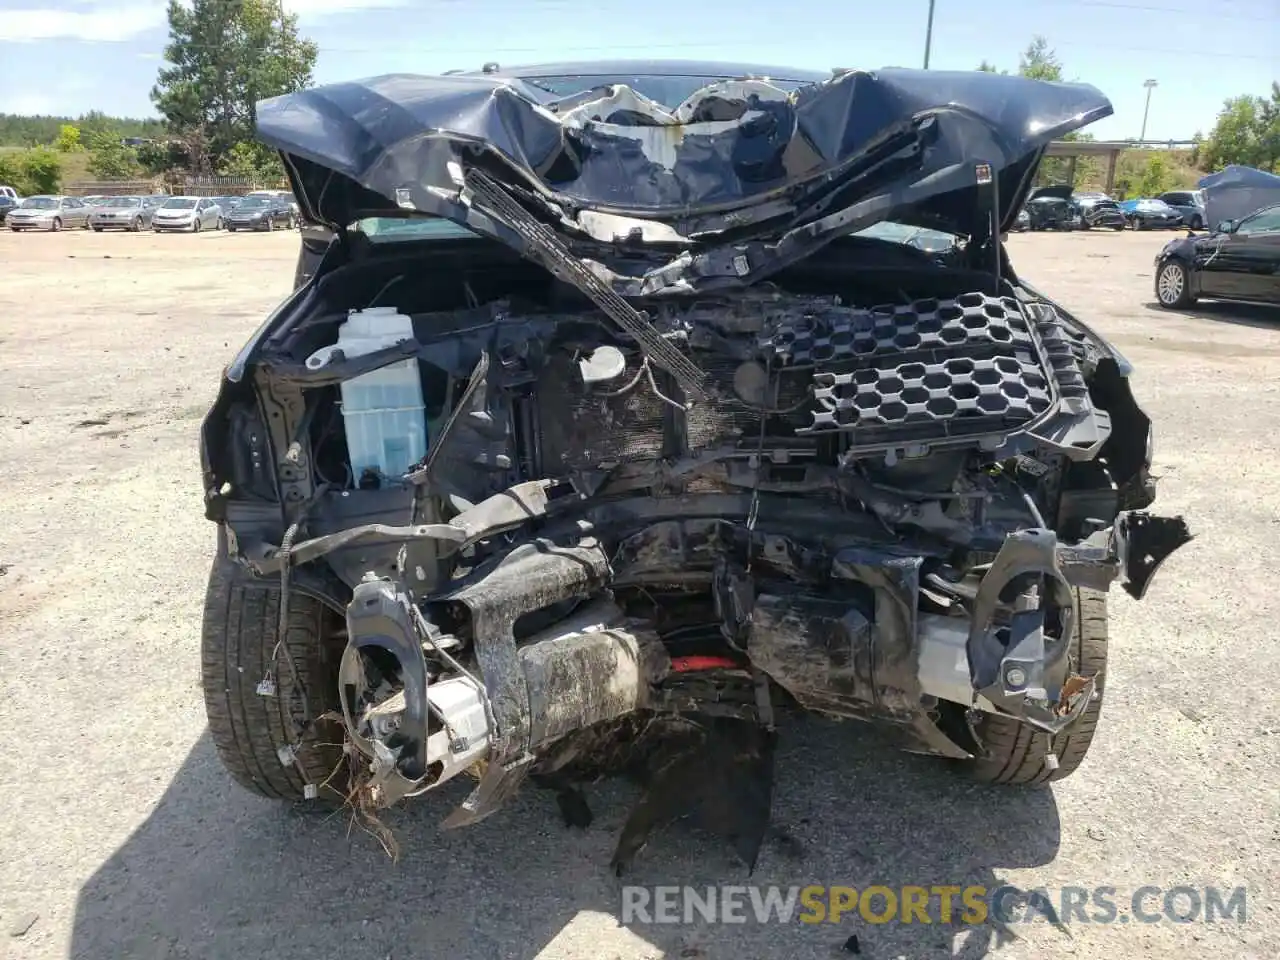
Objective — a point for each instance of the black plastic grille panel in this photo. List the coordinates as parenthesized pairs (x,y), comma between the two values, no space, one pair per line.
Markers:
(972,322)
(930,371)
(958,397)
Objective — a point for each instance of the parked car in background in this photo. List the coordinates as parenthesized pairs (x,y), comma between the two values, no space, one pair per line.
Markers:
(226,204)
(7,203)
(187,213)
(284,195)
(122,213)
(1051,208)
(49,212)
(258,211)
(1240,260)
(1189,205)
(1148,213)
(8,191)
(1098,211)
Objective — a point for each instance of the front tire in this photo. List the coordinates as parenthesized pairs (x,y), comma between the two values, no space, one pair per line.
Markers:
(1173,285)
(195,225)
(56,226)
(1015,753)
(241,627)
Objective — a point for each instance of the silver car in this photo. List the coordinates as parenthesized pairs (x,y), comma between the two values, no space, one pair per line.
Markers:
(187,213)
(47,212)
(122,213)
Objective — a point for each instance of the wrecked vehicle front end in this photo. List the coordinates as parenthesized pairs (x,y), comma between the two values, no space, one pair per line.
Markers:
(685,451)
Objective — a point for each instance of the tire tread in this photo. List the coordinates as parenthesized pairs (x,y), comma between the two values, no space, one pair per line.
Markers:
(241,625)
(1015,752)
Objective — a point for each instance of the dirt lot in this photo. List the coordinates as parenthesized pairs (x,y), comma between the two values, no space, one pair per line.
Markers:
(122,837)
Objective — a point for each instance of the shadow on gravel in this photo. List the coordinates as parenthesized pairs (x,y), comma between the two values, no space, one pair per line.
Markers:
(215,872)
(1257,315)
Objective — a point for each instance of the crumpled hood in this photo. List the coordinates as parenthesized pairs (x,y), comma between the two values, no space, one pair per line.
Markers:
(386,144)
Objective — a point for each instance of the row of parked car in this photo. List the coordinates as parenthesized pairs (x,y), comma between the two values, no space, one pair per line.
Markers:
(1061,208)
(260,210)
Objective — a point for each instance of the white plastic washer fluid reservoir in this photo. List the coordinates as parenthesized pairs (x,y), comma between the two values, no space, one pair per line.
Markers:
(382,412)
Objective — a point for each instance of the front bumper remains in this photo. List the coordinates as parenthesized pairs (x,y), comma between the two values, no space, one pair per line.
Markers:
(843,632)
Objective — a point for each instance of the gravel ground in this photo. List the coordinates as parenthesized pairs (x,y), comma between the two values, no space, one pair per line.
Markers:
(124,838)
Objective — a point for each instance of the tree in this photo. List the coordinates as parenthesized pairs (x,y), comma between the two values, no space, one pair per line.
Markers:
(253,161)
(1039,61)
(987,67)
(68,138)
(37,170)
(1247,132)
(109,159)
(1156,178)
(224,56)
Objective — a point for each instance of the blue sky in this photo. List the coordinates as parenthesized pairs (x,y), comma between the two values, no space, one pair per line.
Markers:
(70,56)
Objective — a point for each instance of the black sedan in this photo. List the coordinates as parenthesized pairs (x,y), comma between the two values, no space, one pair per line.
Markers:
(259,213)
(1238,261)
(1151,214)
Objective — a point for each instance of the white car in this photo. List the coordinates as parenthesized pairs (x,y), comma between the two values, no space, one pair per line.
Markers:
(187,213)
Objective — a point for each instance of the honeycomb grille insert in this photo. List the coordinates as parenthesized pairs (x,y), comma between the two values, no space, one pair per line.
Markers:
(971,324)
(923,373)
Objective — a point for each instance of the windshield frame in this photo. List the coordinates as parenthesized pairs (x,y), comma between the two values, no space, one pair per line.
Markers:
(180,203)
(40,203)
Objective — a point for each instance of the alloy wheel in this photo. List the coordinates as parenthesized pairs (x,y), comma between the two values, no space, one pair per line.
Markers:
(1171,284)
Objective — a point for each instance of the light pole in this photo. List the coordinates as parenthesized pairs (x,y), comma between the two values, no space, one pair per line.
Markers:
(1150,85)
(928,36)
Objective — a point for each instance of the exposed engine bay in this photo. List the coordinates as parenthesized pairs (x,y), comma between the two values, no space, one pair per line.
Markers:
(877,507)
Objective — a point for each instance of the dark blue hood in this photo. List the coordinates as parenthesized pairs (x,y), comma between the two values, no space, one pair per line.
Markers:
(397,143)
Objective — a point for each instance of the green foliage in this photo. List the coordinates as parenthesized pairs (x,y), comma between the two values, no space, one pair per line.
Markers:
(1247,132)
(224,58)
(35,170)
(253,161)
(160,156)
(109,159)
(1039,61)
(68,138)
(1157,177)
(20,131)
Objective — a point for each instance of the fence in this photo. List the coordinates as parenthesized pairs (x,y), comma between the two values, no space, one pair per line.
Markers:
(225,186)
(112,188)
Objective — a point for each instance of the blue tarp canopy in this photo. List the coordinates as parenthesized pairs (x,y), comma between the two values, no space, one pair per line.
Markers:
(1236,192)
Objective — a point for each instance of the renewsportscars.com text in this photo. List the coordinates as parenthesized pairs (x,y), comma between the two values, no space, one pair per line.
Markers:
(938,903)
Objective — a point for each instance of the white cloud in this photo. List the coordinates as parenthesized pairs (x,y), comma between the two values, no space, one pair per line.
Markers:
(113,21)
(315,9)
(104,22)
